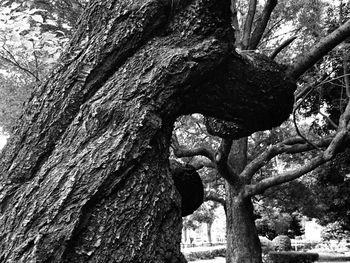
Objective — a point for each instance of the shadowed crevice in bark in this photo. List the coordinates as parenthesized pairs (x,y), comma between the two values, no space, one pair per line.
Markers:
(189,184)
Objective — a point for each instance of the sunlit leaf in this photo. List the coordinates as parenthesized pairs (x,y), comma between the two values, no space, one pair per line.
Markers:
(38,18)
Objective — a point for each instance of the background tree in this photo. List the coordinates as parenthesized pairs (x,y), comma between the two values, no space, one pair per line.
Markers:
(334,231)
(272,222)
(204,215)
(331,189)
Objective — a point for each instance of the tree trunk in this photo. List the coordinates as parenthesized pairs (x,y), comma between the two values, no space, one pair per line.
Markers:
(86,178)
(243,244)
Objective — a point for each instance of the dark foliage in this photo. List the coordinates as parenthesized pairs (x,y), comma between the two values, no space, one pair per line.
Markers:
(292,257)
(333,190)
(202,255)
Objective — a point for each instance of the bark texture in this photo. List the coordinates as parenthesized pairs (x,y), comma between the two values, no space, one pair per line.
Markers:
(243,244)
(86,177)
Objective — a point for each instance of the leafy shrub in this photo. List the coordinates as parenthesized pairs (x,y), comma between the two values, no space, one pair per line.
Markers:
(209,254)
(309,245)
(337,258)
(334,231)
(266,244)
(292,257)
(282,243)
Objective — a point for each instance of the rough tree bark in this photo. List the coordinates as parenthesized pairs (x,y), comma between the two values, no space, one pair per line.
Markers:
(243,244)
(86,176)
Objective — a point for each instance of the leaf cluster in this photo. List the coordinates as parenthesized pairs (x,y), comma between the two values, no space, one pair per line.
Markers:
(33,34)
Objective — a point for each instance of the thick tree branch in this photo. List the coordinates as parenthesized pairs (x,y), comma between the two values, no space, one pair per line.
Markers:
(346,72)
(338,142)
(289,146)
(221,158)
(248,24)
(223,152)
(262,23)
(305,61)
(260,187)
(283,45)
(183,151)
(211,196)
(342,133)
(199,163)
(234,21)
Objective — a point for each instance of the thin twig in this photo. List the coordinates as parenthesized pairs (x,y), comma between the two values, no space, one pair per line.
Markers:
(15,63)
(295,123)
(329,120)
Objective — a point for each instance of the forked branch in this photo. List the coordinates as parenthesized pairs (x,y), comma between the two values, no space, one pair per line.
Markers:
(289,146)
(341,138)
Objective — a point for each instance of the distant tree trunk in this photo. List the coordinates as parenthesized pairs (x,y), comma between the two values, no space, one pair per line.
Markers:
(185,234)
(86,176)
(209,226)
